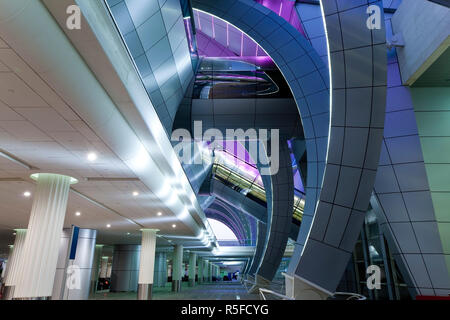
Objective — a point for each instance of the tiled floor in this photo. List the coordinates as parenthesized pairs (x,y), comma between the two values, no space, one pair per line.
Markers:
(213,291)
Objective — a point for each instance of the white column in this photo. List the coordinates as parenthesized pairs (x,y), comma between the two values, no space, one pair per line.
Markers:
(12,267)
(147,263)
(40,251)
(192,267)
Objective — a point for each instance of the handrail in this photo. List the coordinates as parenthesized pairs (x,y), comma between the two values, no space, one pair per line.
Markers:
(298,208)
(276,294)
(351,295)
(248,282)
(284,274)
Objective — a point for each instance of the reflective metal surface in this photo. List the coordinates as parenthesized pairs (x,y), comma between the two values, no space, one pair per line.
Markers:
(176,285)
(145,291)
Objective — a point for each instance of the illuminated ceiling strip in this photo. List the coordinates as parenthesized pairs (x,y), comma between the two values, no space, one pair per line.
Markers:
(101,205)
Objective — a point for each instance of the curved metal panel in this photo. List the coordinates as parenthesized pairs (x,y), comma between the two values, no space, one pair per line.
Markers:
(355,134)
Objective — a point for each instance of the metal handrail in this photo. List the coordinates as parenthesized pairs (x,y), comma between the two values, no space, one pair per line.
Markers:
(278,286)
(351,295)
(276,294)
(248,284)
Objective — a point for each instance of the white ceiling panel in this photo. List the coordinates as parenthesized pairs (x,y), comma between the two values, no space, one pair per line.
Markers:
(23,130)
(3,44)
(6,113)
(15,93)
(45,118)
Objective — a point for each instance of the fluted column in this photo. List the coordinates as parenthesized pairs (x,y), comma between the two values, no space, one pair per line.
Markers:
(12,267)
(176,268)
(192,267)
(40,251)
(147,264)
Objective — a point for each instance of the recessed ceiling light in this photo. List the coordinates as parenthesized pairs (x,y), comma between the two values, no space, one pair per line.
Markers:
(78,213)
(92,156)
(27,194)
(135,193)
(174,226)
(128,233)
(108,225)
(14,234)
(159,214)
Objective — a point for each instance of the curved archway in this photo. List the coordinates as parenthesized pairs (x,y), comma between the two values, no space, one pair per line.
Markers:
(343,142)
(222,231)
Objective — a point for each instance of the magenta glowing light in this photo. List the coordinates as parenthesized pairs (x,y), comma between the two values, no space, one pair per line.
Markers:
(285,9)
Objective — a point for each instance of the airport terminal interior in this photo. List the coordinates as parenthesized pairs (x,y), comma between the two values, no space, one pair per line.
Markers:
(224,149)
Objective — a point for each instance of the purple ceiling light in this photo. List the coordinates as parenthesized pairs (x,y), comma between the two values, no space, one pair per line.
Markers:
(286,10)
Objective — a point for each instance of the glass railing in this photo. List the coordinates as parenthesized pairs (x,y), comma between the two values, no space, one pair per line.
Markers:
(253,190)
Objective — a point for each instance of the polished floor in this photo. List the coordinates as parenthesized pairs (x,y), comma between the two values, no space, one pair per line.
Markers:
(212,291)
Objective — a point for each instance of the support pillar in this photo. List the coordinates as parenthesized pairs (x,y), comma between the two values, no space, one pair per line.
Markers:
(160,269)
(125,268)
(96,268)
(147,264)
(205,270)
(74,267)
(39,256)
(192,267)
(177,268)
(200,270)
(13,264)
(210,272)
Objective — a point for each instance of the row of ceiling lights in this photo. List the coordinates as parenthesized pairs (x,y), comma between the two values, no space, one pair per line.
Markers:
(78,213)
(92,156)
